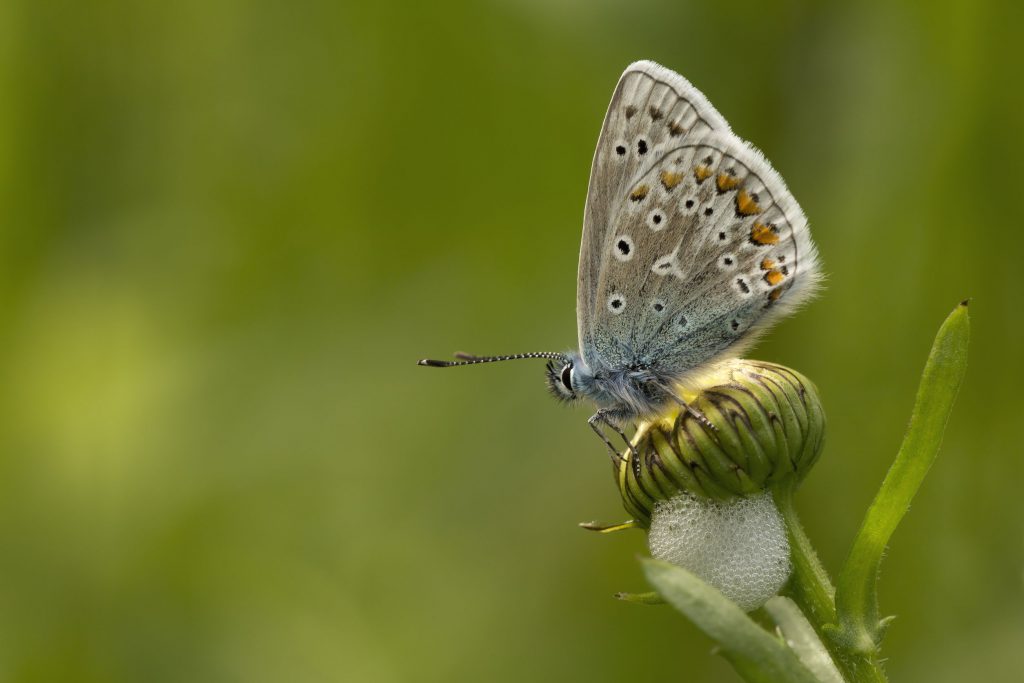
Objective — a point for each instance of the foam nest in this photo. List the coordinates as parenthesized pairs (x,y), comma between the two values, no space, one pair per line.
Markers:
(740,546)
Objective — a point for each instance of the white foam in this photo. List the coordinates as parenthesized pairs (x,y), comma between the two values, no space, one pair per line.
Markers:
(739,547)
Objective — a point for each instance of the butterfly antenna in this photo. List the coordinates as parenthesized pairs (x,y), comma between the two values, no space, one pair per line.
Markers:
(469,359)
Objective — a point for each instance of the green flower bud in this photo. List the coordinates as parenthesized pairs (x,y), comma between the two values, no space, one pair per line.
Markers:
(768,430)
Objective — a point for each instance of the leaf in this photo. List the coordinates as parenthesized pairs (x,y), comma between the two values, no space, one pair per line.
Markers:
(756,654)
(649,598)
(802,639)
(857,587)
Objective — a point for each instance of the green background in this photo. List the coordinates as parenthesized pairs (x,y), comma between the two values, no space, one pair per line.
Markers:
(229,229)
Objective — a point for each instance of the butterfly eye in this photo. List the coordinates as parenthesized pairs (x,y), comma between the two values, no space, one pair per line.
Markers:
(567,377)
(559,380)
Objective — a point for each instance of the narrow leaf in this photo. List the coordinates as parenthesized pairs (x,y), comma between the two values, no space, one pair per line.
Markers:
(802,639)
(756,654)
(649,598)
(857,590)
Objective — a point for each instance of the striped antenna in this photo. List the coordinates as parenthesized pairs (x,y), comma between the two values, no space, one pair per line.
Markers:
(469,359)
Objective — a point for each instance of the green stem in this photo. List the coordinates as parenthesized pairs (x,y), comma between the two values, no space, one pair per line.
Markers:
(863,670)
(810,586)
(811,589)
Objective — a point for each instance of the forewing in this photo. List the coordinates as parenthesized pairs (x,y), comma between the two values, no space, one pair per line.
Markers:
(705,247)
(652,110)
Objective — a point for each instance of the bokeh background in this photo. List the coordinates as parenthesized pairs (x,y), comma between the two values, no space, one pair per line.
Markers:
(230,228)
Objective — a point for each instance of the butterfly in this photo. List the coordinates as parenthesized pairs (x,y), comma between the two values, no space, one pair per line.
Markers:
(692,248)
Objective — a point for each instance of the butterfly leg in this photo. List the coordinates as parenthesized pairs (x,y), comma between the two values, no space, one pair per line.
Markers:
(697,415)
(700,417)
(604,415)
(616,458)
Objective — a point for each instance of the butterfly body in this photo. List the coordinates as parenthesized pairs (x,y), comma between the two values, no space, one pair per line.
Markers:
(626,393)
(692,247)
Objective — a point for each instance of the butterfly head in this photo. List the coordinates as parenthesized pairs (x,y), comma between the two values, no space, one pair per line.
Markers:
(566,377)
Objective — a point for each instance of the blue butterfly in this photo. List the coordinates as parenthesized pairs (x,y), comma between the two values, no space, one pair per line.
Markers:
(692,247)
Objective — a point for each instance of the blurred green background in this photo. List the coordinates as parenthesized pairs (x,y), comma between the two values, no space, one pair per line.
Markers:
(230,228)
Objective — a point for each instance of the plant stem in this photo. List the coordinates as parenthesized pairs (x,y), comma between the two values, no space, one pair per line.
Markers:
(811,589)
(810,585)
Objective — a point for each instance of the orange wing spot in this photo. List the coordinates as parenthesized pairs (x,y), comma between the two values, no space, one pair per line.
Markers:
(774,295)
(702,173)
(764,234)
(773,277)
(639,193)
(746,205)
(767,264)
(726,182)
(675,130)
(670,179)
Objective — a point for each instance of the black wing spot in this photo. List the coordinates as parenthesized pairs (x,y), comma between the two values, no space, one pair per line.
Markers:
(659,307)
(623,247)
(721,236)
(743,286)
(735,324)
(630,110)
(689,204)
(641,146)
(708,211)
(620,150)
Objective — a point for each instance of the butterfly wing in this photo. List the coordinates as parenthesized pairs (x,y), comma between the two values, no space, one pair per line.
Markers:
(651,109)
(702,248)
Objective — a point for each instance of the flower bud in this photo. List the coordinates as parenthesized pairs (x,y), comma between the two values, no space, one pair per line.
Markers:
(768,429)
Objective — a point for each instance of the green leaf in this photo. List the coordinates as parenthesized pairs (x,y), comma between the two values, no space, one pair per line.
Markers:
(857,590)
(802,639)
(649,598)
(756,654)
